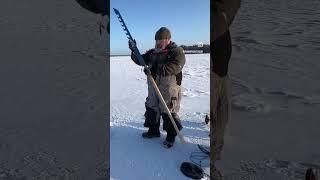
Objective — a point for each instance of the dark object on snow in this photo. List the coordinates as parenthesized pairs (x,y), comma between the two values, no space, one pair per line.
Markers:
(207,119)
(191,170)
(96,6)
(311,174)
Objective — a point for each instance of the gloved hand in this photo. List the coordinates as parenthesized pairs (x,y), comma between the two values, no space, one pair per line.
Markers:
(132,44)
(147,70)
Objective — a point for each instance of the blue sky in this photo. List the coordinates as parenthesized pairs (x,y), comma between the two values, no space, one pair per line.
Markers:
(188,22)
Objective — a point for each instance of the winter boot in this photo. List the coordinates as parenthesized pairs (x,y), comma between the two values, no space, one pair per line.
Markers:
(167,144)
(151,133)
(171,132)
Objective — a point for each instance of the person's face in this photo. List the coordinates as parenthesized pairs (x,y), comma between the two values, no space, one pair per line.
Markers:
(162,44)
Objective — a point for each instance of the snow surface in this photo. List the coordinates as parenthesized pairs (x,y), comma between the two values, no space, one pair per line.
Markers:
(135,158)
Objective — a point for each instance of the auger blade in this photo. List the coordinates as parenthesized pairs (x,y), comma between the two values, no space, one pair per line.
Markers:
(125,29)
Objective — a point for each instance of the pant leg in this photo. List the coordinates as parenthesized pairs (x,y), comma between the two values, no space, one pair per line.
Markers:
(152,114)
(220,114)
(171,93)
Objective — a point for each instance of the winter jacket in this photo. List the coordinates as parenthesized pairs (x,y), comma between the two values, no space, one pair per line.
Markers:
(167,63)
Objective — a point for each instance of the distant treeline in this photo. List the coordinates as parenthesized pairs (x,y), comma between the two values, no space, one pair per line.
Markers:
(205,48)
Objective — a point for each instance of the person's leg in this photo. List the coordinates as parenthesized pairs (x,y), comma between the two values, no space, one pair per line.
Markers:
(169,128)
(152,121)
(223,115)
(171,93)
(220,116)
(214,96)
(152,114)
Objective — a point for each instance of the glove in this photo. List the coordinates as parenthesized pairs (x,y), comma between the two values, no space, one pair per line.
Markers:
(146,70)
(132,44)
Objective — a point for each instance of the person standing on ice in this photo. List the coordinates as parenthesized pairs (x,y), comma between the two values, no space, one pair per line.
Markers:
(165,63)
(222,15)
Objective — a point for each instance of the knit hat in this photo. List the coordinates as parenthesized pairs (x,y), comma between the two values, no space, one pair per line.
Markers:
(162,33)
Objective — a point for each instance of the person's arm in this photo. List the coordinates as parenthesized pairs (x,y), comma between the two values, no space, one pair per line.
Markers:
(134,57)
(175,66)
(145,57)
